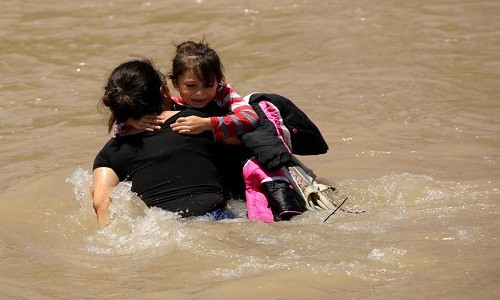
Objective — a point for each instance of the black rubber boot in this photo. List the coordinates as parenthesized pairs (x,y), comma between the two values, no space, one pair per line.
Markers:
(283,200)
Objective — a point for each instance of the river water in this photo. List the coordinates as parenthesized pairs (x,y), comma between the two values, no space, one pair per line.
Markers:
(406,93)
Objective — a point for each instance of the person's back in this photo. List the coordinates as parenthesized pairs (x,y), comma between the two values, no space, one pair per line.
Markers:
(167,169)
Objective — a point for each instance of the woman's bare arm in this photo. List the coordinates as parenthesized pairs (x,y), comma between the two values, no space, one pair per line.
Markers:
(104,180)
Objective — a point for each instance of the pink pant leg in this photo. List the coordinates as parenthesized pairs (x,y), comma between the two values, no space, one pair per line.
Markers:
(256,200)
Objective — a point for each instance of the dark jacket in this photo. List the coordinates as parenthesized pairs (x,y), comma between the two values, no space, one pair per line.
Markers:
(264,141)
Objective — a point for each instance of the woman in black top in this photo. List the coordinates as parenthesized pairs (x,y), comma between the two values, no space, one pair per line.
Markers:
(169,170)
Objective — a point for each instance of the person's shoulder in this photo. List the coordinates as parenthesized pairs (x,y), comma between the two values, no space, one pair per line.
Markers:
(113,144)
(192,112)
(103,154)
(112,141)
(227,94)
(225,86)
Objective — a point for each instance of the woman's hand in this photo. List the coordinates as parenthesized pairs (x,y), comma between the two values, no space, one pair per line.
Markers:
(191,125)
(147,122)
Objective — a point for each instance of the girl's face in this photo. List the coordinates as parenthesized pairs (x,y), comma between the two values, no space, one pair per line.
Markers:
(192,90)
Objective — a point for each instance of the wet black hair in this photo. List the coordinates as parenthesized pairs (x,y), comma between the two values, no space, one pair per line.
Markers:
(133,90)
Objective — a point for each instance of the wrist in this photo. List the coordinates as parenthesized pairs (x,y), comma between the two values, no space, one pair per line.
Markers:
(207,124)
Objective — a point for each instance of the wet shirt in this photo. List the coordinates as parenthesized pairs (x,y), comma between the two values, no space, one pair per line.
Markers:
(165,167)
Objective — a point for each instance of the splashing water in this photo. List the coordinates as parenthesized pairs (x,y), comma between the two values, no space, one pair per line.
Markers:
(134,226)
(404,213)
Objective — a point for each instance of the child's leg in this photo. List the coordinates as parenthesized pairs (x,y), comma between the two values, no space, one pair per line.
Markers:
(284,201)
(270,189)
(256,200)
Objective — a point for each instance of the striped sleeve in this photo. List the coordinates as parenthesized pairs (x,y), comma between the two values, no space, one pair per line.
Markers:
(242,119)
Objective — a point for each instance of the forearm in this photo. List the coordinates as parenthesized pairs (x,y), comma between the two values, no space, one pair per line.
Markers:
(104,180)
(102,214)
(234,125)
(242,119)
(101,201)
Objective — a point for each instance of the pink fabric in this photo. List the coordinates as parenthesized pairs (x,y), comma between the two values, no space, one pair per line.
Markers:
(256,200)
(274,115)
(254,174)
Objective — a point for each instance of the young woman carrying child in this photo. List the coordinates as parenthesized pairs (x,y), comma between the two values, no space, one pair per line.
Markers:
(197,75)
(175,172)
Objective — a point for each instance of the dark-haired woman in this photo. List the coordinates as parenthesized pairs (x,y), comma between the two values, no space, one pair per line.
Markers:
(172,171)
